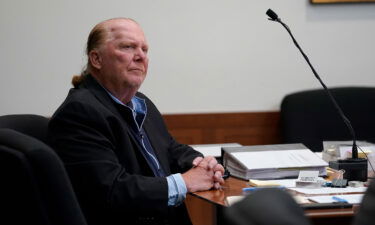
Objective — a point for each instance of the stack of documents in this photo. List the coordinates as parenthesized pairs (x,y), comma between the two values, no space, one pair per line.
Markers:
(213,149)
(263,183)
(271,161)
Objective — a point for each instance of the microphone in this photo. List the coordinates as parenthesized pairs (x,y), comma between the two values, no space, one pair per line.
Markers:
(273,16)
(355,168)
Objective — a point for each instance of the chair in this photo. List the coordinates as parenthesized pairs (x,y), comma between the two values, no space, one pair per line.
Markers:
(309,117)
(29,124)
(35,188)
(270,206)
(366,212)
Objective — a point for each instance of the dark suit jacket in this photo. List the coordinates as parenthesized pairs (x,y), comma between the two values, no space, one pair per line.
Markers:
(113,182)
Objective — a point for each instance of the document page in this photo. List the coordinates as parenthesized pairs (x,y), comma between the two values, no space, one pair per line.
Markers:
(213,149)
(279,159)
(230,200)
(288,183)
(351,198)
(329,190)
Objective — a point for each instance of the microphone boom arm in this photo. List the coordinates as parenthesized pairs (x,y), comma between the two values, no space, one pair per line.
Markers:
(275,18)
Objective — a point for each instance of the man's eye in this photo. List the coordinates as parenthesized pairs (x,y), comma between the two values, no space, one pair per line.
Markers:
(126,46)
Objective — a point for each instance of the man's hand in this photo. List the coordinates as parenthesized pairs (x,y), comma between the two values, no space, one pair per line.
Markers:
(217,168)
(205,174)
(199,178)
(218,175)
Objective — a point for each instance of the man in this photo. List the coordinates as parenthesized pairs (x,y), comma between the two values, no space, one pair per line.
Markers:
(124,165)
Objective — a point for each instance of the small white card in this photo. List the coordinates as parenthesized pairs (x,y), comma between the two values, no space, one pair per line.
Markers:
(308,179)
(308,176)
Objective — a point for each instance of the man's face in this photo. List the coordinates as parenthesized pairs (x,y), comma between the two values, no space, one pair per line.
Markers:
(123,56)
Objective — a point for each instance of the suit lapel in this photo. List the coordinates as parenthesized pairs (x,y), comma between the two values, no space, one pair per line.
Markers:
(101,94)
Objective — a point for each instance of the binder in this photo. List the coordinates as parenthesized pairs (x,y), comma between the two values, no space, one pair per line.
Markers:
(271,161)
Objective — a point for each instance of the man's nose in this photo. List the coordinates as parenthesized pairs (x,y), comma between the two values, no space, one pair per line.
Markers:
(140,55)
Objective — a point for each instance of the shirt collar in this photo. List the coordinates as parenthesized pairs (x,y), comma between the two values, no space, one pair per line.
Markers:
(137,105)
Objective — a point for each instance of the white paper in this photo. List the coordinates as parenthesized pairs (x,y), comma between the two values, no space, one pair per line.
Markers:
(233,199)
(288,183)
(350,198)
(329,190)
(279,159)
(308,176)
(213,149)
(319,154)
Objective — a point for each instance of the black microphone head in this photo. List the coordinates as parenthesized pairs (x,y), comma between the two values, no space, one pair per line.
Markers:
(272,14)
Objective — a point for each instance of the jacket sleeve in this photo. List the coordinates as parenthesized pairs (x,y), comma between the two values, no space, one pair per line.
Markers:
(83,136)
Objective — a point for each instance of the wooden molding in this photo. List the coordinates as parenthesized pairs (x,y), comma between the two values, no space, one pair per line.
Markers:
(247,128)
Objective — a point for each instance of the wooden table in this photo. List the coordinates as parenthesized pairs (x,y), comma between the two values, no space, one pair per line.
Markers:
(205,208)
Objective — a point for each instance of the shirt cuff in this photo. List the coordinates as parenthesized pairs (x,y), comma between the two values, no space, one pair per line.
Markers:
(176,189)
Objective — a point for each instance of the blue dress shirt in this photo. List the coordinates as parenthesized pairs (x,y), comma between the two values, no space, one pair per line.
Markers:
(176,185)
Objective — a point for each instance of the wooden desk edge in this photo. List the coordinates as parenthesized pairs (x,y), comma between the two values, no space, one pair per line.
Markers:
(234,186)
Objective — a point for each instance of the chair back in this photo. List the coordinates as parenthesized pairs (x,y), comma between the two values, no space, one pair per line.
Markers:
(269,206)
(366,212)
(35,187)
(30,124)
(309,117)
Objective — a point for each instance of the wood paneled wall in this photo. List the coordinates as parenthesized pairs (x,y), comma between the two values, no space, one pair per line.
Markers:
(247,128)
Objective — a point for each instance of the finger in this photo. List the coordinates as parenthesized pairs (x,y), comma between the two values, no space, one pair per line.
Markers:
(218,177)
(217,185)
(218,174)
(197,160)
(212,162)
(219,167)
(204,163)
(220,181)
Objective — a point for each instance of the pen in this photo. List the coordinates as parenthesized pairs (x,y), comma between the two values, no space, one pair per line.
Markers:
(258,188)
(339,199)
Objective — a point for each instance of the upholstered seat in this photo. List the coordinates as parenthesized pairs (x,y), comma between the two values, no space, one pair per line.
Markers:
(35,188)
(309,117)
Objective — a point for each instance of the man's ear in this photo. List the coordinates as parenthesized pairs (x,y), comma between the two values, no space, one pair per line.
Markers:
(95,59)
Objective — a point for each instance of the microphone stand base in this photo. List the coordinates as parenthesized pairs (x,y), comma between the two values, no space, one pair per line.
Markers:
(355,169)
